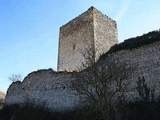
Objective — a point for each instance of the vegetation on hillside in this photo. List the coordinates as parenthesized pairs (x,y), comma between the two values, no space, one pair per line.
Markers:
(15,77)
(136,42)
(139,41)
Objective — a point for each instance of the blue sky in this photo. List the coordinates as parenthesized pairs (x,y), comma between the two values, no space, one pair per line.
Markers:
(29,29)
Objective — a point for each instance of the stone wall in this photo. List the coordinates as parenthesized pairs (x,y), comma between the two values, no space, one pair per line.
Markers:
(105,33)
(46,88)
(52,89)
(143,61)
(74,37)
(91,30)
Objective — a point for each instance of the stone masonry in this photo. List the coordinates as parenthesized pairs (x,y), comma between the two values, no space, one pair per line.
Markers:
(91,30)
(45,88)
(53,89)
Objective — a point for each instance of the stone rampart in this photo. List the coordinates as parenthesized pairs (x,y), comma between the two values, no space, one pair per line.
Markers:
(46,88)
(52,89)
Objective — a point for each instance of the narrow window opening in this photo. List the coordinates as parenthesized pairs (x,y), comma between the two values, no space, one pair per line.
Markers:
(74,46)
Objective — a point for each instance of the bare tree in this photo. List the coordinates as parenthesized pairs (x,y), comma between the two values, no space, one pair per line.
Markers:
(102,84)
(15,77)
(146,93)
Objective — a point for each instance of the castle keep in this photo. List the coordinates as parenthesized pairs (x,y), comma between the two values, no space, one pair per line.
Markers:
(93,30)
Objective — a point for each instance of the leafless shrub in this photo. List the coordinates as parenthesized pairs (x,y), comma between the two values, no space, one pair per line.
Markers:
(15,77)
(145,93)
(102,85)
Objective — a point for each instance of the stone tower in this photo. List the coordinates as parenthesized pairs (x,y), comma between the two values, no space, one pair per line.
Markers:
(91,29)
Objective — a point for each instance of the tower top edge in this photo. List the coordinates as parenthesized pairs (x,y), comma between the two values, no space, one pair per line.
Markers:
(91,10)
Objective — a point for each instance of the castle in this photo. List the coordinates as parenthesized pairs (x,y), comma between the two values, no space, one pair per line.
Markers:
(93,30)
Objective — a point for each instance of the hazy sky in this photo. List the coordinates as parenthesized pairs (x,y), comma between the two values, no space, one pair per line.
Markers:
(29,29)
